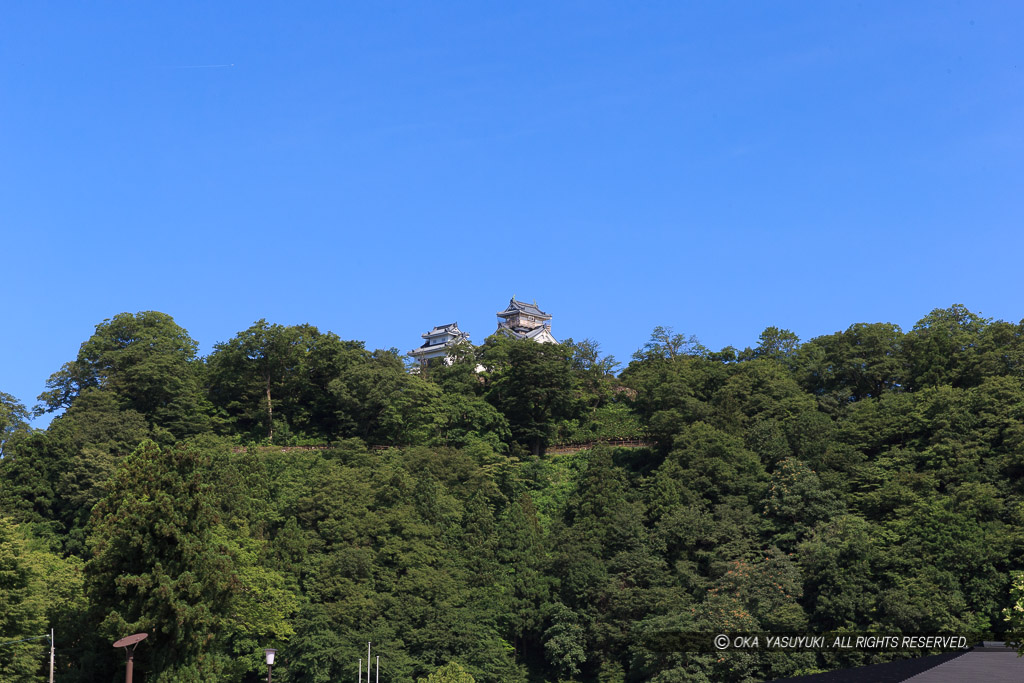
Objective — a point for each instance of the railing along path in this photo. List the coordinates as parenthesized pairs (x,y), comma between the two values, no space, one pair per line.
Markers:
(559,448)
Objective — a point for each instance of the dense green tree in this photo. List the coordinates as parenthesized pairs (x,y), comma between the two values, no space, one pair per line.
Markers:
(867,480)
(945,573)
(89,455)
(39,590)
(28,482)
(456,373)
(607,569)
(449,673)
(148,363)
(565,640)
(595,373)
(796,502)
(292,382)
(61,473)
(531,385)
(163,563)
(666,343)
(13,419)
(522,554)
(843,563)
(308,398)
(1013,615)
(1001,350)
(863,362)
(943,348)
(776,344)
(757,390)
(716,467)
(22,608)
(668,394)
(247,371)
(326,547)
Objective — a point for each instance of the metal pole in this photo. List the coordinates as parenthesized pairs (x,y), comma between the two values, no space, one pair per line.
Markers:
(131,665)
(378,668)
(367,662)
(361,671)
(51,655)
(269,669)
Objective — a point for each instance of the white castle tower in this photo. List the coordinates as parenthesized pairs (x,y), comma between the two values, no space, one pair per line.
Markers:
(525,321)
(439,342)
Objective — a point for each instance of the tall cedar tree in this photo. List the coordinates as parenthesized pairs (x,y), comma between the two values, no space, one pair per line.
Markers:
(160,563)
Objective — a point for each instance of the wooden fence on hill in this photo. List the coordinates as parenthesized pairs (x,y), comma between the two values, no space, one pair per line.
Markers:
(573,447)
(559,448)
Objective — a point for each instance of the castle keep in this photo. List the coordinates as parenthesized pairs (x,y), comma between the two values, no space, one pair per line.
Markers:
(519,319)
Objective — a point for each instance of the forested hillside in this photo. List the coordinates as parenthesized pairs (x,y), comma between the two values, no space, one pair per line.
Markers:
(868,480)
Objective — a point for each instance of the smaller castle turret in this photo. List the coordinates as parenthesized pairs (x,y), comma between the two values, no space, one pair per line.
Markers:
(439,342)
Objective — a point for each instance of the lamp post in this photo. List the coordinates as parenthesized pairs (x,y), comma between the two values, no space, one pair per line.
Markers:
(270,661)
(130,642)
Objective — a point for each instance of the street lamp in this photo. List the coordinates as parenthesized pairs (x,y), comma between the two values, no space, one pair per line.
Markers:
(270,661)
(130,642)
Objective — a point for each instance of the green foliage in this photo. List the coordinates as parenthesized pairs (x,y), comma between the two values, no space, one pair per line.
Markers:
(717,467)
(38,590)
(1014,614)
(595,374)
(843,561)
(796,502)
(147,362)
(776,344)
(86,443)
(867,480)
(609,422)
(565,640)
(13,419)
(531,384)
(449,673)
(163,563)
(665,343)
(247,372)
(669,393)
(943,347)
(865,361)
(22,607)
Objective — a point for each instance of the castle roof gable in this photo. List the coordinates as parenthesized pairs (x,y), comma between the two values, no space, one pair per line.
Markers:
(450,328)
(516,307)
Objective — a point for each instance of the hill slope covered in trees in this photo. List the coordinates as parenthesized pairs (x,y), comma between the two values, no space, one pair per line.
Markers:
(868,480)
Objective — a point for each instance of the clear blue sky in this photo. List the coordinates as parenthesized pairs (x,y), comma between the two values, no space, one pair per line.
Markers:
(378,168)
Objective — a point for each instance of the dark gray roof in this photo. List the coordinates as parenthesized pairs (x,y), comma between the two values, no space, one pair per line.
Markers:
(529,334)
(441,345)
(427,347)
(976,665)
(989,664)
(537,331)
(522,307)
(450,328)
